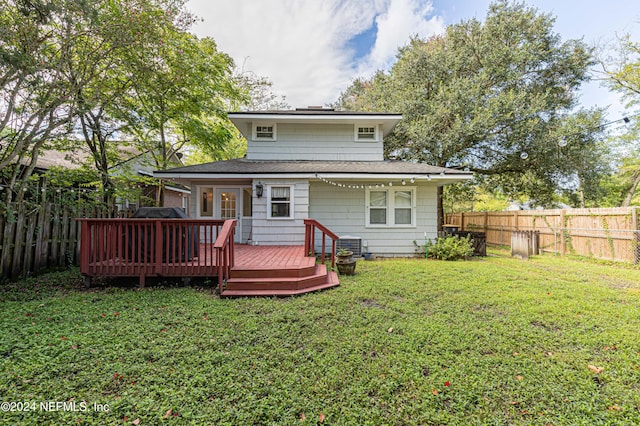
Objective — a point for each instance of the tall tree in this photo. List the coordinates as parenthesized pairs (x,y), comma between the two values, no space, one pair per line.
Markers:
(622,74)
(489,96)
(34,90)
(181,94)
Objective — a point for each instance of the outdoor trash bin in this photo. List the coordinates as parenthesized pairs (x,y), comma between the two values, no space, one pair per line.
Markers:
(478,240)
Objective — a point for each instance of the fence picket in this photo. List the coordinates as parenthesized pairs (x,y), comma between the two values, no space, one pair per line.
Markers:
(40,237)
(605,233)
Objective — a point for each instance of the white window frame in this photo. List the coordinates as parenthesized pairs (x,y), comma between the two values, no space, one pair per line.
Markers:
(357,133)
(263,138)
(292,197)
(391,208)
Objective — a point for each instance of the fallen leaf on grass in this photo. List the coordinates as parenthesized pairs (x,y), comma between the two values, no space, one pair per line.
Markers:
(519,377)
(167,414)
(136,422)
(615,408)
(303,417)
(435,391)
(595,369)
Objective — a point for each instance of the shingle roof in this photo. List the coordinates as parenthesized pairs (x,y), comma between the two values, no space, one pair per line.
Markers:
(260,167)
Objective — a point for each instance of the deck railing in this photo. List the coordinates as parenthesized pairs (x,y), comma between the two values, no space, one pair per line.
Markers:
(151,247)
(311,225)
(224,247)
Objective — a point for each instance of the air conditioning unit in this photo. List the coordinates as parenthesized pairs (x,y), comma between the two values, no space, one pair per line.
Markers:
(352,243)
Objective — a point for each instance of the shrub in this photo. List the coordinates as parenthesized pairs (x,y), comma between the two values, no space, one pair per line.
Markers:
(450,248)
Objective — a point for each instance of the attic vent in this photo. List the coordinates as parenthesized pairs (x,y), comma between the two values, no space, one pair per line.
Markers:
(349,242)
(315,108)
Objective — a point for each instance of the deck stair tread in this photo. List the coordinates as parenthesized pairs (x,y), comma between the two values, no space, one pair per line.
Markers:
(331,281)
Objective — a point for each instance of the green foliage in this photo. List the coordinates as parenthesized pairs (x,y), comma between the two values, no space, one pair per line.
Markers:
(494,341)
(450,248)
(484,93)
(107,69)
(623,71)
(472,196)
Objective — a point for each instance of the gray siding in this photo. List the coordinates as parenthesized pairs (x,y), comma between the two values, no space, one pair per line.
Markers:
(333,142)
(281,231)
(343,211)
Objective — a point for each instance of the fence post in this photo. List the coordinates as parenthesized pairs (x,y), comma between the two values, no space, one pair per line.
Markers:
(636,235)
(563,238)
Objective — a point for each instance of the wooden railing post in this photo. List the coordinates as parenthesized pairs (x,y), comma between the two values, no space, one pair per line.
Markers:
(158,247)
(85,243)
(310,227)
(224,247)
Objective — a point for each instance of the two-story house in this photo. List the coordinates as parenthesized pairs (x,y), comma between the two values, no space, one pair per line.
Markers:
(320,164)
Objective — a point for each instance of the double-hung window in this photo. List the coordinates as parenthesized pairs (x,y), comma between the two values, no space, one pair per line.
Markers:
(280,200)
(391,207)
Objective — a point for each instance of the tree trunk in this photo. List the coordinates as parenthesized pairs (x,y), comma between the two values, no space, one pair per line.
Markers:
(635,182)
(440,208)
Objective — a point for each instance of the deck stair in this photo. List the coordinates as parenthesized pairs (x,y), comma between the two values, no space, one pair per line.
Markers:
(284,271)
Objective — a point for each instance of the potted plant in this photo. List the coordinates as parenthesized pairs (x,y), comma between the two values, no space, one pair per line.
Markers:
(346,263)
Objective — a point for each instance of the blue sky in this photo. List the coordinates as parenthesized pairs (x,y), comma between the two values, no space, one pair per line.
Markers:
(312,49)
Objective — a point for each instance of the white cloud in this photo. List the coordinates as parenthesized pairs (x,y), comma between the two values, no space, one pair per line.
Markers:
(301,45)
(402,19)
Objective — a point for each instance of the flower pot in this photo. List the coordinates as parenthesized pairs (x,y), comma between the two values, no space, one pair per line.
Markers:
(347,267)
(344,257)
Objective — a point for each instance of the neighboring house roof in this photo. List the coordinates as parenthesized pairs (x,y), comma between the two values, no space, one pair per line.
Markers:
(243,167)
(129,156)
(52,158)
(528,205)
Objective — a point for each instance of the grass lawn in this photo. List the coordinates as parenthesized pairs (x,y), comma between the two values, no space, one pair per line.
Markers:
(495,341)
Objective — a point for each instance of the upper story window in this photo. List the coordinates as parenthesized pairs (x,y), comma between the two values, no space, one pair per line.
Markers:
(366,133)
(264,132)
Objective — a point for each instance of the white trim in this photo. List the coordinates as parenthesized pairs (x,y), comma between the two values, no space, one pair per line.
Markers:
(390,207)
(292,212)
(316,117)
(333,176)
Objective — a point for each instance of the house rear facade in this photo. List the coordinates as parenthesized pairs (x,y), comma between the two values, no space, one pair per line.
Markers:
(321,164)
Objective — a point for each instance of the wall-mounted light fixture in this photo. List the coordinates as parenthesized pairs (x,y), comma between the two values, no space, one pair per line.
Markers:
(259,190)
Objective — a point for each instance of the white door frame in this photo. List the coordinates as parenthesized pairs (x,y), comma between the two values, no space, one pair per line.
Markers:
(216,214)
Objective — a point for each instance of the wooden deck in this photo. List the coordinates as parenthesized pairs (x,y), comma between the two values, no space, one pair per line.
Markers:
(276,271)
(167,248)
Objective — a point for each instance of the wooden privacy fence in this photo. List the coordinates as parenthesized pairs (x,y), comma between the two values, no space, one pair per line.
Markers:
(34,238)
(607,233)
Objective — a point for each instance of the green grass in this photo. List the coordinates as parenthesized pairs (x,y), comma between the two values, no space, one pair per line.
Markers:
(495,341)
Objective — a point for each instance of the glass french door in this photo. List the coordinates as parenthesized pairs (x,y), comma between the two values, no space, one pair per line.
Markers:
(228,203)
(228,206)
